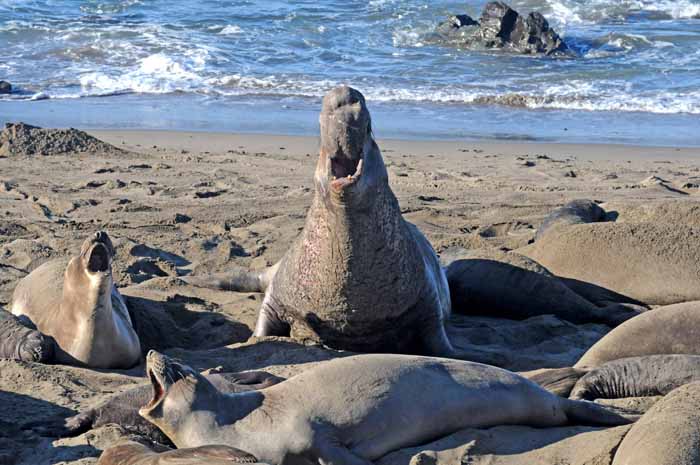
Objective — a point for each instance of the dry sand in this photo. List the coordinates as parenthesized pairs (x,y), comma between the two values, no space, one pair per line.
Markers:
(178,202)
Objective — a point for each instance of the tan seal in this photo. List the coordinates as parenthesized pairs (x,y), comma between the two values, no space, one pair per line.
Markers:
(77,304)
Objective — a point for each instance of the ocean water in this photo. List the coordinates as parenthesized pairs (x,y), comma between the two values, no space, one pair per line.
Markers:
(262,66)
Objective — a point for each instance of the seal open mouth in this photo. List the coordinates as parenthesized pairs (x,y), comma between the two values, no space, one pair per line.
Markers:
(159,373)
(99,259)
(345,171)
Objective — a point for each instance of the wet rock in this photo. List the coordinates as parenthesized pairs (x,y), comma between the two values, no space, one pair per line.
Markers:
(5,87)
(501,27)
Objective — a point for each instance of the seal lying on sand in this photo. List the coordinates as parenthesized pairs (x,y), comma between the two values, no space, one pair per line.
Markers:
(359,277)
(664,330)
(134,453)
(657,264)
(18,342)
(575,212)
(354,409)
(78,305)
(122,409)
(652,375)
(668,434)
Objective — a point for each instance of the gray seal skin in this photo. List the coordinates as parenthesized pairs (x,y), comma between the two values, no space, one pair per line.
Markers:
(652,375)
(134,453)
(575,212)
(122,409)
(354,409)
(672,329)
(19,342)
(77,304)
(359,277)
(667,434)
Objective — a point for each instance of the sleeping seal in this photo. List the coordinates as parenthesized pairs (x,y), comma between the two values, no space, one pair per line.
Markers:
(78,305)
(354,409)
(359,277)
(18,342)
(134,453)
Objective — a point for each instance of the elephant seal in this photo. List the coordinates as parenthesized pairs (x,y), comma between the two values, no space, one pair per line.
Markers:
(575,212)
(19,342)
(653,263)
(359,277)
(354,409)
(665,330)
(78,305)
(667,434)
(651,375)
(123,408)
(134,453)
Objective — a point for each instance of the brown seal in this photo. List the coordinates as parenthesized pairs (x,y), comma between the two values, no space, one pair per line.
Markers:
(134,453)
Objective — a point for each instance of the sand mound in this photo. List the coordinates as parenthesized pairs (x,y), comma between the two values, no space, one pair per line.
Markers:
(18,139)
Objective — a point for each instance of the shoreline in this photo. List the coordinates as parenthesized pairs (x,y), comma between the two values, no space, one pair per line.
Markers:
(215,141)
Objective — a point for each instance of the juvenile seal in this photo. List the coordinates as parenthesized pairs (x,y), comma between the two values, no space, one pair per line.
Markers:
(580,211)
(354,409)
(78,305)
(134,453)
(653,263)
(19,342)
(667,434)
(664,330)
(123,409)
(359,277)
(651,375)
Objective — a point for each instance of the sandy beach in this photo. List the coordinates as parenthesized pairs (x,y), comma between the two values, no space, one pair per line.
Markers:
(177,203)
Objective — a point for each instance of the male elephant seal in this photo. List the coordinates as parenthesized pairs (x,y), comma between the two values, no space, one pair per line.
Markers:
(123,409)
(665,330)
(78,305)
(359,277)
(134,453)
(354,409)
(667,434)
(18,342)
(651,375)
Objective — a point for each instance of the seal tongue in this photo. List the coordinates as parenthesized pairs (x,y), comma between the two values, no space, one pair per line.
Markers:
(99,259)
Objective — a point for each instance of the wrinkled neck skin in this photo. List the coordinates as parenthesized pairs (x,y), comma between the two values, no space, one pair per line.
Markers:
(354,239)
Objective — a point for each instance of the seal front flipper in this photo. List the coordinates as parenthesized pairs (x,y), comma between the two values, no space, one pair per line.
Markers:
(237,279)
(18,342)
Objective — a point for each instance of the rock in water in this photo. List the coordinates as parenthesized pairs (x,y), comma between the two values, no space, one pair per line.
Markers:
(501,27)
(5,87)
(20,139)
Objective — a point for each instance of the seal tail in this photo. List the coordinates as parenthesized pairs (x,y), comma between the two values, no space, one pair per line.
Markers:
(583,412)
(238,280)
(559,381)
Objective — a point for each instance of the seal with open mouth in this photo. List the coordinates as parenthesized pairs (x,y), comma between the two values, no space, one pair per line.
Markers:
(77,304)
(353,410)
(359,277)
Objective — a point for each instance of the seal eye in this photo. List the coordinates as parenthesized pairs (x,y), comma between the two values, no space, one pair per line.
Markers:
(99,259)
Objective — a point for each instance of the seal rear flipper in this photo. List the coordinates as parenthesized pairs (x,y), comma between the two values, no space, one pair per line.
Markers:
(583,412)
(559,381)
(18,342)
(77,424)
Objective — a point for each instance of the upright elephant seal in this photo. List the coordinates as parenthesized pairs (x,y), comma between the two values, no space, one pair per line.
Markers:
(665,330)
(359,277)
(651,375)
(653,263)
(78,305)
(18,342)
(667,434)
(354,409)
(134,453)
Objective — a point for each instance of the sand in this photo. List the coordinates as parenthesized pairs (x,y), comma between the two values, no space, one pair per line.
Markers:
(177,203)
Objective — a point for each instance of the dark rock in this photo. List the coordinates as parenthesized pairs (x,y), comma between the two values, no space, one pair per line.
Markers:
(5,87)
(501,27)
